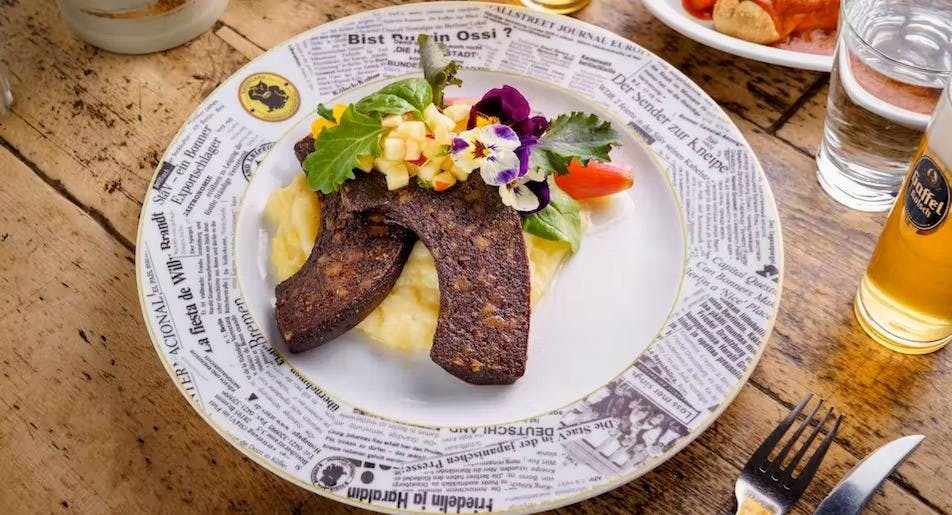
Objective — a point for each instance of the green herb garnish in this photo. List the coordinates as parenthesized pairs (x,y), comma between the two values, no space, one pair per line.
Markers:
(438,69)
(423,183)
(576,135)
(326,113)
(336,150)
(559,221)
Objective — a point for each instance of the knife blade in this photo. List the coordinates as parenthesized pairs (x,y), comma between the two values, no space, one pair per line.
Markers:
(854,491)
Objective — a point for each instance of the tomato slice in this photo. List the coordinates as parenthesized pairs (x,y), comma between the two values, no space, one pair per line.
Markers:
(594,179)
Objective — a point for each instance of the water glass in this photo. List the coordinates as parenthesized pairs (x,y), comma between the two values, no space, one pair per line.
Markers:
(892,60)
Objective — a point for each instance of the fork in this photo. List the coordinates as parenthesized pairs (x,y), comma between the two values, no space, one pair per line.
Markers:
(765,486)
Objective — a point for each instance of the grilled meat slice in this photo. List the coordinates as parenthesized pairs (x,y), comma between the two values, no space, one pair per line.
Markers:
(476,241)
(352,267)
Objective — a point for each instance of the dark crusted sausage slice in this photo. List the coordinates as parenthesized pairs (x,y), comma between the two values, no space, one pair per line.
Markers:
(352,267)
(483,330)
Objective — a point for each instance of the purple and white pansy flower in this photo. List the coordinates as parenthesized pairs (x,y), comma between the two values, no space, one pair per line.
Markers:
(521,194)
(491,148)
(506,108)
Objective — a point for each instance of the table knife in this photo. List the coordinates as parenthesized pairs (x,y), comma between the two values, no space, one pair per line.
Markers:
(854,491)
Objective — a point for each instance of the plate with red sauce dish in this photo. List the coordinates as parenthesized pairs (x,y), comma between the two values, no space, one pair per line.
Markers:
(795,33)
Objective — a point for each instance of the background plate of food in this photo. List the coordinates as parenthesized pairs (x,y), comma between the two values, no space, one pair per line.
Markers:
(576,343)
(794,33)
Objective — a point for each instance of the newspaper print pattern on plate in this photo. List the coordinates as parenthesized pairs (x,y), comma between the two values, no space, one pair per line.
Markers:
(210,345)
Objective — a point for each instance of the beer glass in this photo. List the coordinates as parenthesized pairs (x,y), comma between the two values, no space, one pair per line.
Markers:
(905,299)
(892,59)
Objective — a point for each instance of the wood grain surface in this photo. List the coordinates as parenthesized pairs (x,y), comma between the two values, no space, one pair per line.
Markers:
(92,424)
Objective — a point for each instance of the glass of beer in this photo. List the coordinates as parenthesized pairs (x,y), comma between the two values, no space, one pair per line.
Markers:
(556,6)
(892,59)
(905,299)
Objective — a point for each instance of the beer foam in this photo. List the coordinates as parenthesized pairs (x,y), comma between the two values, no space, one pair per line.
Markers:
(940,128)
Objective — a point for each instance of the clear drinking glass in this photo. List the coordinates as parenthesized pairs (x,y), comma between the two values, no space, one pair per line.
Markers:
(140,26)
(893,58)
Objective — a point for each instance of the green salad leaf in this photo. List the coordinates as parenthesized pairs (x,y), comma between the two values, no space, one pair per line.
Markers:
(326,113)
(576,135)
(404,96)
(438,69)
(559,221)
(336,150)
(383,104)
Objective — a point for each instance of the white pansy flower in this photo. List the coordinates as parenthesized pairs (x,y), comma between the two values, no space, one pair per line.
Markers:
(491,148)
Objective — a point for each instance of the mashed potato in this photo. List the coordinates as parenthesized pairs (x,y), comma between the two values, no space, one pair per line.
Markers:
(406,319)
(295,214)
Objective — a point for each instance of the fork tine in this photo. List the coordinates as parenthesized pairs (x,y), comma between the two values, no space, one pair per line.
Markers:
(759,458)
(778,461)
(801,482)
(806,445)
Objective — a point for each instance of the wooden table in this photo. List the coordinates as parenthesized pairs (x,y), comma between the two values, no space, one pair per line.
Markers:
(92,423)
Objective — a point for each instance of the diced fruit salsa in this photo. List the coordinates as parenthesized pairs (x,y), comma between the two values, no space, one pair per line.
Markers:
(409,132)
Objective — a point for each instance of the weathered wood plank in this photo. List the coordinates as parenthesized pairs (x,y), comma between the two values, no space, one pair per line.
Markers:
(805,128)
(91,420)
(238,42)
(98,122)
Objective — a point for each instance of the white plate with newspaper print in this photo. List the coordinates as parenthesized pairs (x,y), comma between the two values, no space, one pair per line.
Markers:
(634,244)
(207,335)
(673,14)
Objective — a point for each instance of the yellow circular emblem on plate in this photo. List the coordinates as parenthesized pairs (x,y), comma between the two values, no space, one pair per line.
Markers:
(269,97)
